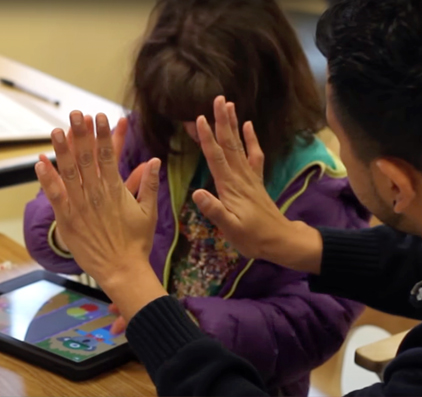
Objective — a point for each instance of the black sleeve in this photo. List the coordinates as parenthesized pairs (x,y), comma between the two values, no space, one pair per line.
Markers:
(182,361)
(378,267)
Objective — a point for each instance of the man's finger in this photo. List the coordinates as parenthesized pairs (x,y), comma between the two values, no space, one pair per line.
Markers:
(69,136)
(214,210)
(234,123)
(256,156)
(67,166)
(119,137)
(107,161)
(228,140)
(52,185)
(89,122)
(85,151)
(213,153)
(148,190)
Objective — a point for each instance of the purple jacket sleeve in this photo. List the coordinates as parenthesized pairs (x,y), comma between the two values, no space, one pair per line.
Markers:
(285,335)
(39,216)
(285,330)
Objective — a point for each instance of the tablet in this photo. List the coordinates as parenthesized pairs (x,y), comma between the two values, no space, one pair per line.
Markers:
(60,325)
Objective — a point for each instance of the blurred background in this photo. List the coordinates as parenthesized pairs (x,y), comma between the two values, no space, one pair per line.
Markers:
(73,40)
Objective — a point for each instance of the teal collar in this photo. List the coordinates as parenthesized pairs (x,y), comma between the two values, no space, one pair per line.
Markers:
(285,170)
(301,157)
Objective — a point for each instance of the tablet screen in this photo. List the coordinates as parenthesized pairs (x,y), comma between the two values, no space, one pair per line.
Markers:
(58,320)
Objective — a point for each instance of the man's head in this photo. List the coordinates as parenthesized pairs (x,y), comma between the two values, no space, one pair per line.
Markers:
(374,102)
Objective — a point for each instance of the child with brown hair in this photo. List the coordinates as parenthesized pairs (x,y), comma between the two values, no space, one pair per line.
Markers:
(247,51)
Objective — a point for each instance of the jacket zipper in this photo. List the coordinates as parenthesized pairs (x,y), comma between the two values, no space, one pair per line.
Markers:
(167,266)
(283,209)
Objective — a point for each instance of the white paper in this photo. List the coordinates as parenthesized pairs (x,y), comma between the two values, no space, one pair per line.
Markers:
(18,122)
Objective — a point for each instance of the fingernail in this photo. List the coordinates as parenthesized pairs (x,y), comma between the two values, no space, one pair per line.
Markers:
(202,120)
(202,199)
(40,168)
(155,166)
(101,120)
(220,100)
(76,118)
(58,136)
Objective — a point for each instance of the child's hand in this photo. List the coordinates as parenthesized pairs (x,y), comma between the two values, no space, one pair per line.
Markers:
(119,324)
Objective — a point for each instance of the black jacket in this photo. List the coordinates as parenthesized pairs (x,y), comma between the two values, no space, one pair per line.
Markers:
(379,267)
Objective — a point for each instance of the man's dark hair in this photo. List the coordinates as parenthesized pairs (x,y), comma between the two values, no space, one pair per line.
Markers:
(374,53)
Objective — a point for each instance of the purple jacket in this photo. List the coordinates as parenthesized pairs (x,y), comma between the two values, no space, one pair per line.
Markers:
(264,312)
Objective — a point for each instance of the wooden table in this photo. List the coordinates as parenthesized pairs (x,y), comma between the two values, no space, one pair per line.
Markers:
(19,379)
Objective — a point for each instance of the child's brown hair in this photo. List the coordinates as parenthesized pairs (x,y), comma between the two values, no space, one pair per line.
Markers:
(243,49)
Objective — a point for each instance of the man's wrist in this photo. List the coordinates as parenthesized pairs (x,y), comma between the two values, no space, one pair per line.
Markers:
(295,245)
(132,291)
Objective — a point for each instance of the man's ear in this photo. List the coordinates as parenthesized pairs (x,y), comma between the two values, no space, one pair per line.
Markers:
(401,183)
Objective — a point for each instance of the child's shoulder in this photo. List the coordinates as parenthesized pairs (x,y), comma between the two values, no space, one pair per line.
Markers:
(304,159)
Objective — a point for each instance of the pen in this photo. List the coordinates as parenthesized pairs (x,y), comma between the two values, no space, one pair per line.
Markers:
(12,84)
